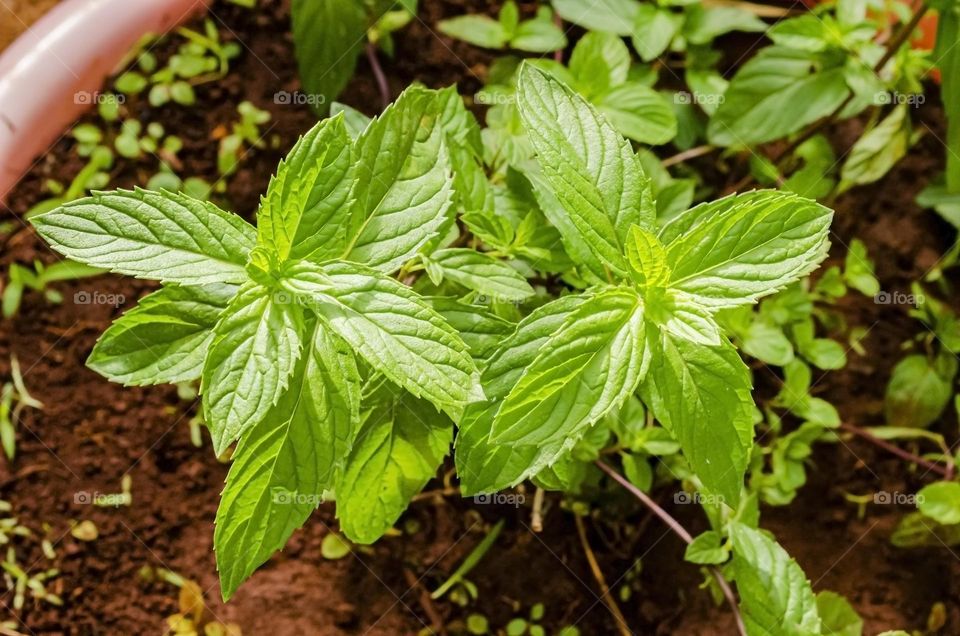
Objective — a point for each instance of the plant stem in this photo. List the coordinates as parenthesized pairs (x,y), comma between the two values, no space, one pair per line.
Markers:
(558,54)
(680,531)
(470,562)
(536,517)
(896,450)
(378,73)
(426,603)
(692,153)
(605,595)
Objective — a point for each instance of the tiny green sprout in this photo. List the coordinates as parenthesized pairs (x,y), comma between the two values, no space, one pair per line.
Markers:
(39,279)
(334,547)
(538,35)
(85,531)
(114,500)
(108,107)
(20,582)
(88,138)
(14,398)
(92,176)
(244,133)
(516,627)
(470,562)
(537,612)
(202,58)
(478,625)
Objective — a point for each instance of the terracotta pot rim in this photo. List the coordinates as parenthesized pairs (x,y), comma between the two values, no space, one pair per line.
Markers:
(54,71)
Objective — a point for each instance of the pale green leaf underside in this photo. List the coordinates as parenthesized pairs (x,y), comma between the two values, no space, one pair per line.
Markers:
(164,339)
(256,346)
(157,235)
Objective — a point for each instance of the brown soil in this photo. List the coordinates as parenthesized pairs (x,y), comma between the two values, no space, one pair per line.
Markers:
(16,16)
(91,432)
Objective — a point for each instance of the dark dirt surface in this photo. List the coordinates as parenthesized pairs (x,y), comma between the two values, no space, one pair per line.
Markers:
(16,16)
(91,432)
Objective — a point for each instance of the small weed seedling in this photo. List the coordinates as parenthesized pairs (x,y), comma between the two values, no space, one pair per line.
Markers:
(202,58)
(536,35)
(245,132)
(14,398)
(39,279)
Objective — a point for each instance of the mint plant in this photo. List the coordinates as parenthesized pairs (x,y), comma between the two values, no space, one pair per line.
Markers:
(601,70)
(341,381)
(289,324)
(647,321)
(536,35)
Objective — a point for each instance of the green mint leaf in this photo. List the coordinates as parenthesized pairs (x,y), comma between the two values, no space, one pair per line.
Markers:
(679,314)
(484,467)
(353,120)
(590,168)
(640,113)
(647,258)
(654,29)
(702,396)
(877,150)
(838,616)
(740,248)
(539,34)
(157,235)
(480,272)
(599,62)
(398,450)
(612,16)
(919,390)
(509,17)
(707,549)
(465,144)
(703,24)
(164,339)
(775,94)
(304,213)
(805,33)
(284,464)
(403,186)
(585,370)
(328,36)
(775,595)
(479,30)
(255,349)
(482,331)
(940,501)
(393,329)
